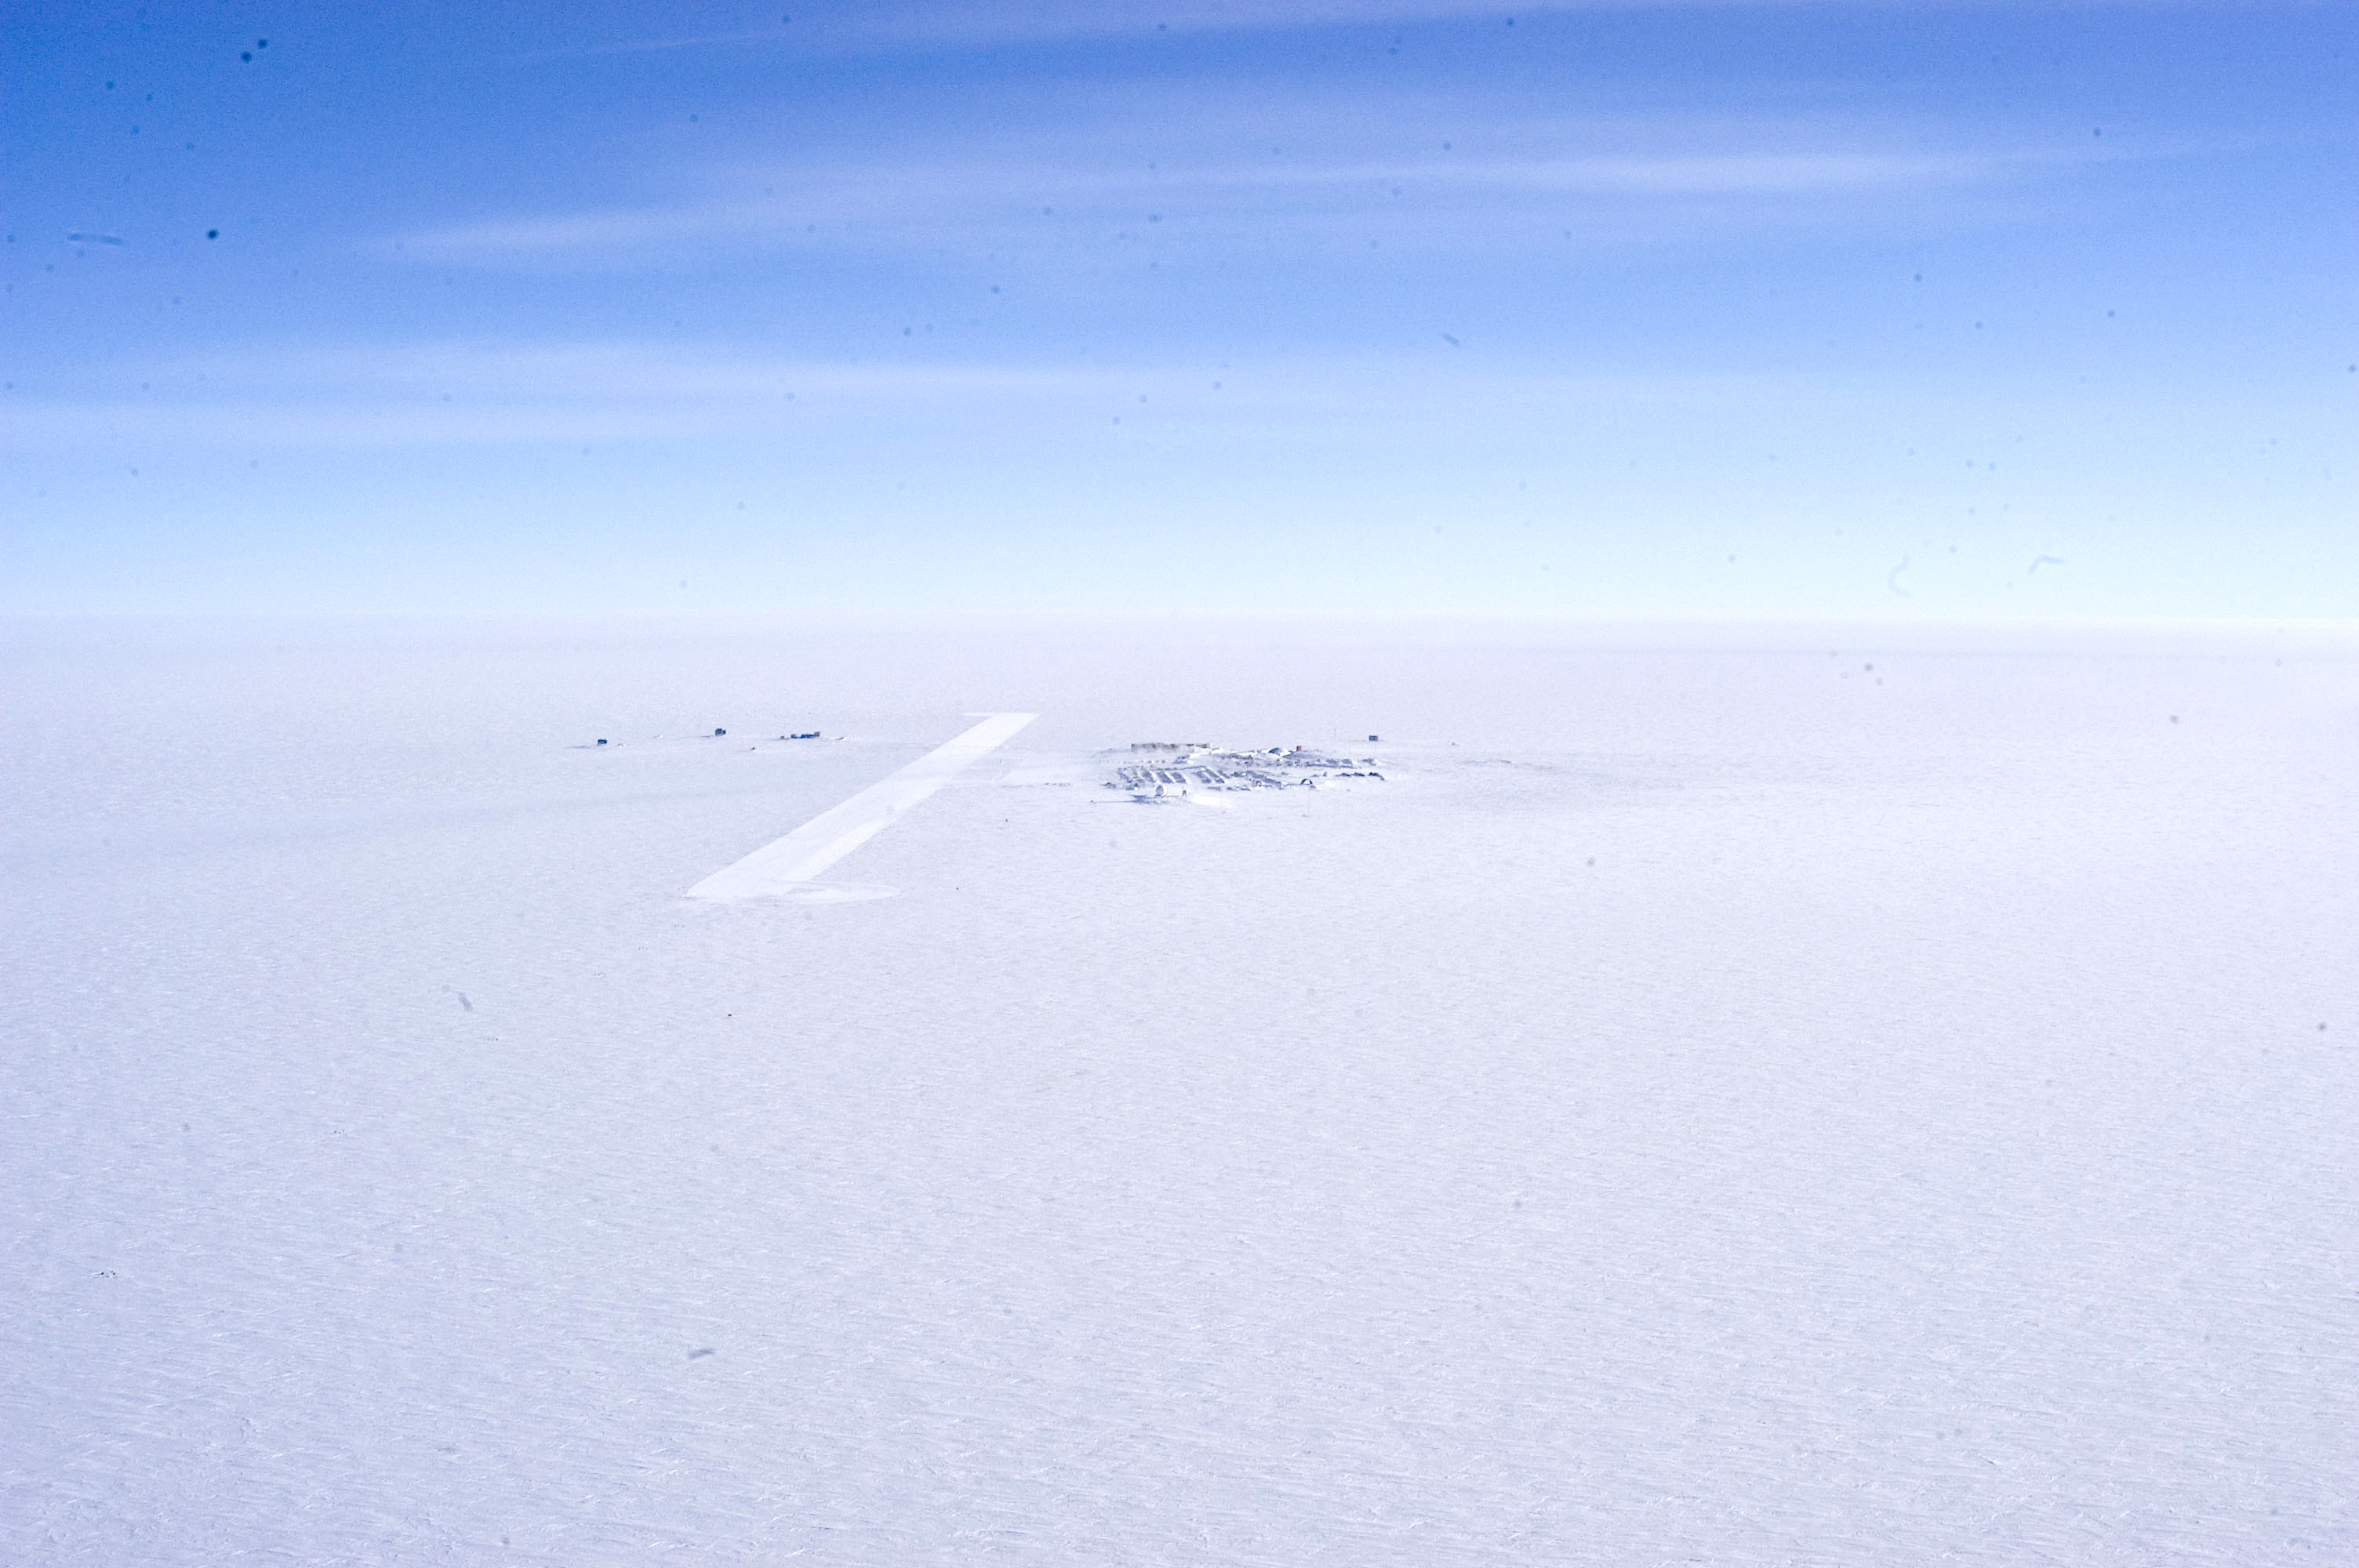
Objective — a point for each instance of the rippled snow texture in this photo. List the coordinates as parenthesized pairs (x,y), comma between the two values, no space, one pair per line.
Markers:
(1714,1106)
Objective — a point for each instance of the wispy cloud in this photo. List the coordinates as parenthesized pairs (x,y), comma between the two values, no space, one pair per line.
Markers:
(1436,202)
(1031,163)
(479,394)
(961,24)
(492,394)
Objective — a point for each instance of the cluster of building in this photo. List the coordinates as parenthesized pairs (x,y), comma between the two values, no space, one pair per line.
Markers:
(1161,768)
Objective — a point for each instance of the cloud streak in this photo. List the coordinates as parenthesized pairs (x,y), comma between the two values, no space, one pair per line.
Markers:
(490,394)
(1427,204)
(1264,166)
(940,24)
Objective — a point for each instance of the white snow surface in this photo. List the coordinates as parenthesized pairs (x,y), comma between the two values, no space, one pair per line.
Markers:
(1711,1102)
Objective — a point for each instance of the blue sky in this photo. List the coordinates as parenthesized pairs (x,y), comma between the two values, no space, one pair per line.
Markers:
(1763,311)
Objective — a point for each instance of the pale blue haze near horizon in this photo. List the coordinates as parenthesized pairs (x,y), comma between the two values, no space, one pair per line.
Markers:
(1685,310)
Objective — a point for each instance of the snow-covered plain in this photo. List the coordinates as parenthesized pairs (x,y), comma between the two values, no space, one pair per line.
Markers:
(1711,1102)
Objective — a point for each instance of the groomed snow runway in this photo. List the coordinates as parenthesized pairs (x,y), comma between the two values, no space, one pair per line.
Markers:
(788,868)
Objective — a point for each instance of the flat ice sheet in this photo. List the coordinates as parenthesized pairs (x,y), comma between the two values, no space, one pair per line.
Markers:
(1705,1104)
